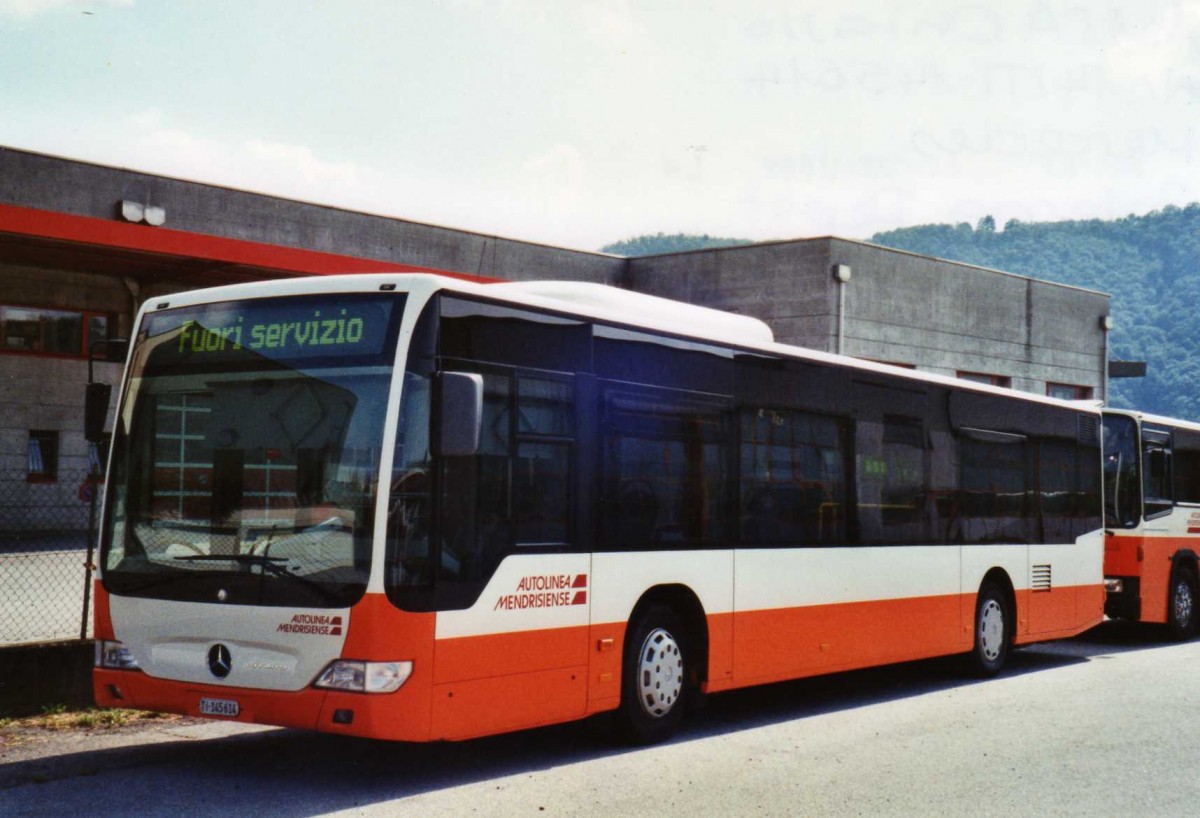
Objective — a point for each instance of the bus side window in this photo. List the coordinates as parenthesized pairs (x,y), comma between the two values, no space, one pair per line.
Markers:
(1156,472)
(666,475)
(892,480)
(543,476)
(994,500)
(793,477)
(1185,466)
(474,493)
(516,490)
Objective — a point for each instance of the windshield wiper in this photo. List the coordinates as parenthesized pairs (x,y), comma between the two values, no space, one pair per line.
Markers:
(270,565)
(244,559)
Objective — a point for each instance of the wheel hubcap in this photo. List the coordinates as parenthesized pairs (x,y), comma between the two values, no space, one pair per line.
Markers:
(991,630)
(660,673)
(1183,603)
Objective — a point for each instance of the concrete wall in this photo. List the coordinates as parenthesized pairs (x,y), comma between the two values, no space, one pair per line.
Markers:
(36,676)
(786,284)
(947,317)
(1065,337)
(940,316)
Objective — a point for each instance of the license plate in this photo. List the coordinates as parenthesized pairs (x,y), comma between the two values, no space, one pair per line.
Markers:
(219,707)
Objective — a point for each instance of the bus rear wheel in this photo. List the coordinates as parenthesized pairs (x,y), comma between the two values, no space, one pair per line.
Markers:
(1181,607)
(654,676)
(993,631)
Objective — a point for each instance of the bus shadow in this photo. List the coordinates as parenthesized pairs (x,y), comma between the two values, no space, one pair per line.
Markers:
(785,701)
(297,773)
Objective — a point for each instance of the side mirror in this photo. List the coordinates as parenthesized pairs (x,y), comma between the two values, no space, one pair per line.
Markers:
(95,411)
(461,416)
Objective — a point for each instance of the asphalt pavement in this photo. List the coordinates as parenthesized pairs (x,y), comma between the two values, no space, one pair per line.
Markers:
(1096,726)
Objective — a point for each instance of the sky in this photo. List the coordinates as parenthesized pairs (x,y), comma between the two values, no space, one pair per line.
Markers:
(582,122)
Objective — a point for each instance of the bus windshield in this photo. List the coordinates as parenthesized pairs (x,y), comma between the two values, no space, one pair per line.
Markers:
(1122,491)
(246,453)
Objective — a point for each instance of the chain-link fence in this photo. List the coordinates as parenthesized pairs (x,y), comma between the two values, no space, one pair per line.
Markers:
(43,551)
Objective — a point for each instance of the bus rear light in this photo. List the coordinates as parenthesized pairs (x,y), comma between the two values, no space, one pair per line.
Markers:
(114,656)
(364,677)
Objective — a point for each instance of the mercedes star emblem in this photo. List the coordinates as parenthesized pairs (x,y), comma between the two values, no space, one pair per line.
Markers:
(219,661)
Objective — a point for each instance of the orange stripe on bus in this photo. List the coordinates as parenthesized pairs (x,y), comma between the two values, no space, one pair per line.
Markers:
(476,657)
(481,685)
(102,627)
(787,643)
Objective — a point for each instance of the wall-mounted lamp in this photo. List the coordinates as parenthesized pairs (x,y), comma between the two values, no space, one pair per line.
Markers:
(1106,325)
(152,215)
(841,274)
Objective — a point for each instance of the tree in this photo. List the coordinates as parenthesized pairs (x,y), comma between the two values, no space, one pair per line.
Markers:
(660,243)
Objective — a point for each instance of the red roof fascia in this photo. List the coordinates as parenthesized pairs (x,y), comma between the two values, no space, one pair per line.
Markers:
(47,224)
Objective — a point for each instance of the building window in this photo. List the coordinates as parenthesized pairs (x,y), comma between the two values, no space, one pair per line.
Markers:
(43,457)
(43,331)
(1067,391)
(984,377)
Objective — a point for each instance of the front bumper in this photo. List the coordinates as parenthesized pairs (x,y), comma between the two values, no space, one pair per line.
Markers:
(394,716)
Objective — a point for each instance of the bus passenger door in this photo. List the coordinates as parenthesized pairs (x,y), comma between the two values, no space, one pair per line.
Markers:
(1066,557)
(514,652)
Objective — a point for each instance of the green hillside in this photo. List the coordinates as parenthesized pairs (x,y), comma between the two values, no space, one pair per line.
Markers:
(661,243)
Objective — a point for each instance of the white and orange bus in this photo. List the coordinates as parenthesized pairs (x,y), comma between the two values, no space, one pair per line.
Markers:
(1152,519)
(417,508)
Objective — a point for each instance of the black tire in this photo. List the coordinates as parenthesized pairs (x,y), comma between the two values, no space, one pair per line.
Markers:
(1181,604)
(993,631)
(655,671)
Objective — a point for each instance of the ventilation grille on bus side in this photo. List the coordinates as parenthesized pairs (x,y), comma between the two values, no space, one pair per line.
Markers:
(1088,430)
(1041,578)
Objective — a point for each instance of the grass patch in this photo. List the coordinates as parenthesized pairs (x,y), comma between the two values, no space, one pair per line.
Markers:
(57,717)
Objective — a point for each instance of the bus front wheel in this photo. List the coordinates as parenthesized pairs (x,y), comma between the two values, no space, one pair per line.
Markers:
(1181,607)
(993,631)
(654,676)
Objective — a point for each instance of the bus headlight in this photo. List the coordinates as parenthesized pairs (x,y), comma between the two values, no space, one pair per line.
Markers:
(114,656)
(364,677)
(1113,585)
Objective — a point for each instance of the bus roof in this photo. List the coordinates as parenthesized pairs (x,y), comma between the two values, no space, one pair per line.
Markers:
(1161,420)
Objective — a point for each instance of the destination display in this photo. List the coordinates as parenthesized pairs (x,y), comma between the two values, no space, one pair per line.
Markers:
(304,328)
(340,331)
